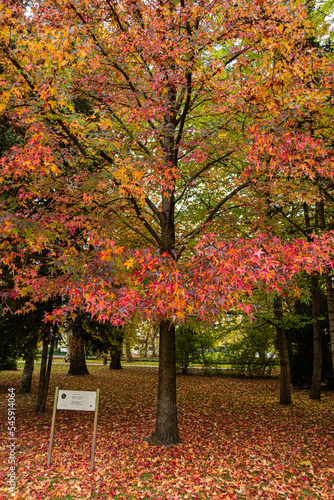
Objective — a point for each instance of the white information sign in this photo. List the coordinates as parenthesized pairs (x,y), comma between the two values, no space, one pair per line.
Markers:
(76,400)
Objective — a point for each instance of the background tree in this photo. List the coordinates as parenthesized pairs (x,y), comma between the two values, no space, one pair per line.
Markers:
(45,370)
(300,342)
(195,344)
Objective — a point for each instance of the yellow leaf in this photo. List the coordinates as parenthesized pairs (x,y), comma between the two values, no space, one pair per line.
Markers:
(129,263)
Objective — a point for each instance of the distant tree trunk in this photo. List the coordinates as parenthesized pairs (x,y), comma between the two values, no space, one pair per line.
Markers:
(115,362)
(116,350)
(154,353)
(329,288)
(185,364)
(44,377)
(48,371)
(285,383)
(67,358)
(203,355)
(78,361)
(315,392)
(146,346)
(129,357)
(166,430)
(28,370)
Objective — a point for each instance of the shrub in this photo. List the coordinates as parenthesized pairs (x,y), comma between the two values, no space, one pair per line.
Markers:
(8,364)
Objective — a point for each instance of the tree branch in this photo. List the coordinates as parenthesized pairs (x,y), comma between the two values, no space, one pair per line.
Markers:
(197,230)
(133,228)
(60,122)
(120,121)
(146,224)
(183,116)
(297,226)
(199,172)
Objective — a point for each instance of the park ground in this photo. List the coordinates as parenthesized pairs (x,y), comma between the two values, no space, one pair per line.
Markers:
(238,442)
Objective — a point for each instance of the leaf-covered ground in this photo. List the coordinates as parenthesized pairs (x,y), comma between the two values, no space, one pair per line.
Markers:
(238,442)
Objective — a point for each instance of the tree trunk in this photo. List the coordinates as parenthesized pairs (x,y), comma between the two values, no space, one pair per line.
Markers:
(78,361)
(116,351)
(166,430)
(185,364)
(44,377)
(28,370)
(146,347)
(129,357)
(285,383)
(330,309)
(48,371)
(154,353)
(329,288)
(115,362)
(203,355)
(315,392)
(317,347)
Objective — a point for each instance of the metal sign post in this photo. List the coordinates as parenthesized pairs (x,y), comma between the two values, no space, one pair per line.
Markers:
(75,400)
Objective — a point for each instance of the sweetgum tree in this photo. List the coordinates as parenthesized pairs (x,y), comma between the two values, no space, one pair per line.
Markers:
(146,124)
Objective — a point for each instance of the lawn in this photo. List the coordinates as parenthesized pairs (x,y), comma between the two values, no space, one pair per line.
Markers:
(238,442)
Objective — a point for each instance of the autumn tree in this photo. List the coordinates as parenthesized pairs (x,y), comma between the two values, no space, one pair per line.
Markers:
(184,108)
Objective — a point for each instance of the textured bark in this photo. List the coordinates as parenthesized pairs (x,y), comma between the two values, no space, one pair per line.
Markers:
(78,361)
(116,351)
(28,370)
(315,392)
(285,383)
(166,429)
